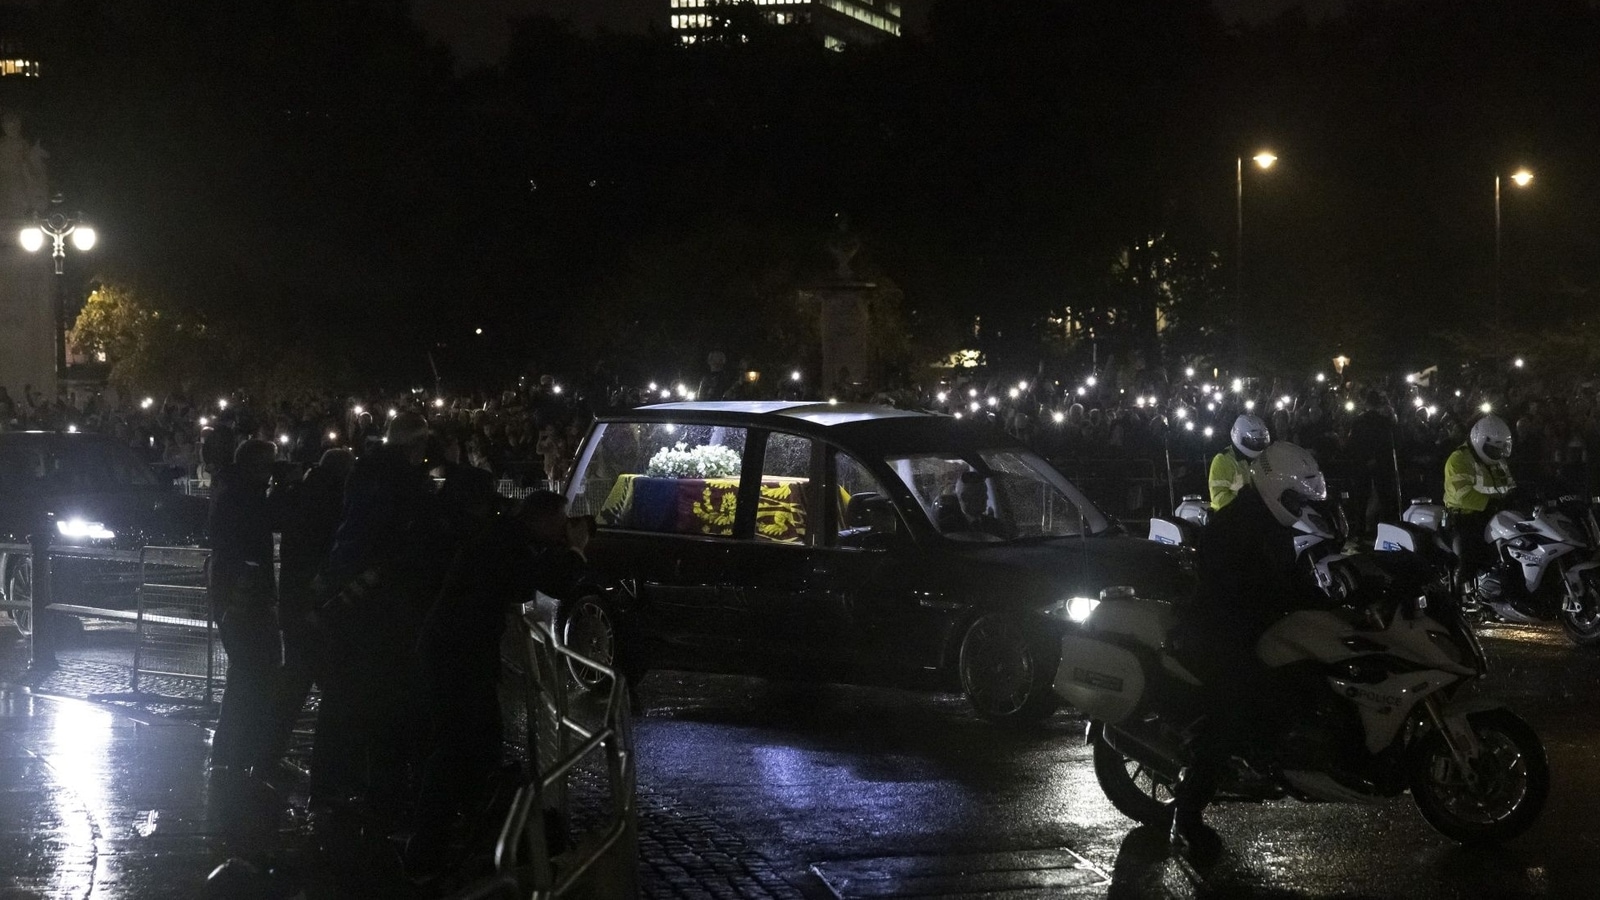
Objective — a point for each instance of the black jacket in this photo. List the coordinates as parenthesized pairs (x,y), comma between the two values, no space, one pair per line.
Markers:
(497,570)
(388,523)
(308,512)
(1247,563)
(240,529)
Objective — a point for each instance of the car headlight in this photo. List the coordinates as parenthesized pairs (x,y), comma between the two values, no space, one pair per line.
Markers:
(1079,608)
(79,529)
(1074,609)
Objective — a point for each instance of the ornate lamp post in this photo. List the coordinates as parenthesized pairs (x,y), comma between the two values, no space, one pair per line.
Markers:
(59,227)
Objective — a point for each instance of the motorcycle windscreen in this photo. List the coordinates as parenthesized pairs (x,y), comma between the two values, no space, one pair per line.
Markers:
(1102,680)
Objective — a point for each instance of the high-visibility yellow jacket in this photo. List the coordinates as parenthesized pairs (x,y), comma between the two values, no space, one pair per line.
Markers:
(1229,475)
(1470,483)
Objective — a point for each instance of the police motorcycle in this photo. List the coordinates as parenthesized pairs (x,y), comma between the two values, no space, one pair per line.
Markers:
(1547,562)
(1376,683)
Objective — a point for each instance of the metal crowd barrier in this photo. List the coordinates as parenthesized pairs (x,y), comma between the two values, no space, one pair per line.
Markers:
(530,861)
(161,591)
(506,487)
(176,633)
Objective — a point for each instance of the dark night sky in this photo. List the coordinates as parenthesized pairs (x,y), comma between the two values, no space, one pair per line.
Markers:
(476,30)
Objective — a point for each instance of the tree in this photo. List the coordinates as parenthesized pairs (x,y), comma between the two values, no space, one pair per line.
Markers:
(147,350)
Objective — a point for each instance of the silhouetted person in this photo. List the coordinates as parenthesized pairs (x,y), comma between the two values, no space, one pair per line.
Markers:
(379,566)
(1370,454)
(308,512)
(240,586)
(512,557)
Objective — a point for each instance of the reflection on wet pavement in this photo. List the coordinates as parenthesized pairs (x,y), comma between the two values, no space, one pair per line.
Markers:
(95,803)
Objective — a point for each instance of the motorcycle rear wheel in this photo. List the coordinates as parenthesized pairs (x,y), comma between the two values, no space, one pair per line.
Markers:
(1513,780)
(1136,790)
(1583,626)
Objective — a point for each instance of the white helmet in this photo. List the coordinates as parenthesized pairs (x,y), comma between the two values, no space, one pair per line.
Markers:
(1250,435)
(1287,477)
(1491,438)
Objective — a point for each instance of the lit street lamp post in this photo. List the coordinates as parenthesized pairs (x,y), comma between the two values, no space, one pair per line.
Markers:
(59,226)
(1521,178)
(1264,159)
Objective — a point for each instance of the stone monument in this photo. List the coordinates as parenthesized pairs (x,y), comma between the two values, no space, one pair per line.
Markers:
(846,326)
(27,310)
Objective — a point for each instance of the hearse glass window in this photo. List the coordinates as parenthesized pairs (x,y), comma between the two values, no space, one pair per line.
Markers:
(789,510)
(996,495)
(864,506)
(662,477)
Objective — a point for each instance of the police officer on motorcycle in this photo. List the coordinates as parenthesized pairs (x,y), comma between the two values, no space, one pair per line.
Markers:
(1477,483)
(1248,579)
(1230,469)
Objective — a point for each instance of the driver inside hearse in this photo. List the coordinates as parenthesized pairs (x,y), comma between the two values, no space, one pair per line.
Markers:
(968,509)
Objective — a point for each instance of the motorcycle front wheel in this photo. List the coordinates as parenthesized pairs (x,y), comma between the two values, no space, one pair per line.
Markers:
(1501,795)
(1136,790)
(1583,627)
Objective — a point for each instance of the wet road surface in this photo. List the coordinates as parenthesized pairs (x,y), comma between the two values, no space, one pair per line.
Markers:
(819,791)
(879,793)
(95,803)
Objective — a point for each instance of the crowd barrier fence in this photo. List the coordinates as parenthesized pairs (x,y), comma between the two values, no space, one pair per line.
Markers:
(541,852)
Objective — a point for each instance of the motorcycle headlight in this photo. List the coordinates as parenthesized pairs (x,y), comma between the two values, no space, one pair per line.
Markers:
(78,529)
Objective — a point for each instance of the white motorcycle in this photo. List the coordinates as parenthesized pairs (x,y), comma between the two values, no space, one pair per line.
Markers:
(1547,565)
(1379,705)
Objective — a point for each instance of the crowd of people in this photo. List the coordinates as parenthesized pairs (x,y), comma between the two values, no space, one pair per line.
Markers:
(398,569)
(1381,439)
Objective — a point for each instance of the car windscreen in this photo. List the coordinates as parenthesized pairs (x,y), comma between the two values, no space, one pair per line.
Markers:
(994,496)
(70,467)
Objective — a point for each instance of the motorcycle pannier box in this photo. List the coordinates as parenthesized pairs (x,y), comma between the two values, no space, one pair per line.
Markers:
(1103,680)
(1425,514)
(1393,537)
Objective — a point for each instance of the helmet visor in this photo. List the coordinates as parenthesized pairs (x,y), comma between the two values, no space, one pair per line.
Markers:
(1254,441)
(1497,450)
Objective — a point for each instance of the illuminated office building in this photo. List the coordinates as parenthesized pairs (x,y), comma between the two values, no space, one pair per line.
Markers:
(839,23)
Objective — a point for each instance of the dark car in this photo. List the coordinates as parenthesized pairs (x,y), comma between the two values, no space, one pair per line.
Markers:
(846,543)
(84,490)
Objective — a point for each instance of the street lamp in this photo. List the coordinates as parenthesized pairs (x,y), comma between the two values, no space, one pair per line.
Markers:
(1264,161)
(59,226)
(1521,178)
